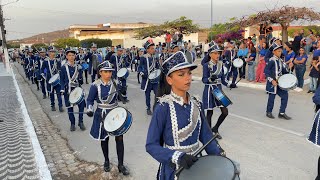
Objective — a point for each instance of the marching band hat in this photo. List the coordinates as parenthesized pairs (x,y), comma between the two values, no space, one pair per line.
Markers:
(214,48)
(70,51)
(42,50)
(176,62)
(142,49)
(173,45)
(275,46)
(105,66)
(52,49)
(148,44)
(212,43)
(119,47)
(94,45)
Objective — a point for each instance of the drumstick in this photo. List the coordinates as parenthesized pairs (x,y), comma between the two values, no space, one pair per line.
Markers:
(198,152)
(238,80)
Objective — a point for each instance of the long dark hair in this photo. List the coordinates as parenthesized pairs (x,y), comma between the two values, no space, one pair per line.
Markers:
(163,88)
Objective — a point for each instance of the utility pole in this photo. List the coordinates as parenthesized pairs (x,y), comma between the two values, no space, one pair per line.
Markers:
(211,21)
(4,42)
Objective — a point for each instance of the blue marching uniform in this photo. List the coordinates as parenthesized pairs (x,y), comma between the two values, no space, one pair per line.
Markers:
(28,65)
(273,71)
(70,78)
(93,63)
(118,62)
(82,59)
(42,76)
(148,64)
(36,71)
(314,136)
(99,91)
(208,99)
(231,55)
(52,66)
(177,129)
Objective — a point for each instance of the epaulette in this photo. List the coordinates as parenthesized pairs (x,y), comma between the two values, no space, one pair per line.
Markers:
(97,82)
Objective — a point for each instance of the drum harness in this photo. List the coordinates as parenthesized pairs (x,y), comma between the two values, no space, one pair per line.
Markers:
(72,80)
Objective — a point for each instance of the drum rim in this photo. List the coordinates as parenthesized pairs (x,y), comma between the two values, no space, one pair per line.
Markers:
(120,71)
(113,132)
(154,72)
(283,80)
(234,166)
(124,121)
(56,80)
(80,99)
(224,96)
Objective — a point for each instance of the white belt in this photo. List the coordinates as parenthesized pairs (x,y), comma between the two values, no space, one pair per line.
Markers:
(186,149)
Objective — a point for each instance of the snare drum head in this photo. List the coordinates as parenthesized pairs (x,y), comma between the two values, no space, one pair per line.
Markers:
(238,62)
(156,73)
(122,72)
(209,168)
(287,81)
(115,119)
(54,78)
(75,95)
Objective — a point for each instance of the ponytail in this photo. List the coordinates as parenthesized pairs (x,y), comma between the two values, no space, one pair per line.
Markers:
(163,88)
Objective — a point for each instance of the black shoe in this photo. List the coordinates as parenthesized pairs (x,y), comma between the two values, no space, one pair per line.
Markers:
(82,127)
(87,82)
(73,127)
(269,115)
(283,116)
(149,112)
(61,109)
(44,97)
(53,108)
(122,169)
(309,91)
(106,167)
(126,100)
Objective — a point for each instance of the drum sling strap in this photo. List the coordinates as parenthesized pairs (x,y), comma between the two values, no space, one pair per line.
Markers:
(73,79)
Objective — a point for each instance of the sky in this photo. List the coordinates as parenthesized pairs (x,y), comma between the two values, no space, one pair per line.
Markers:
(30,17)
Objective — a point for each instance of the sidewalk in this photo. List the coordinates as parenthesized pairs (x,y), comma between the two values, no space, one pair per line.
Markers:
(20,157)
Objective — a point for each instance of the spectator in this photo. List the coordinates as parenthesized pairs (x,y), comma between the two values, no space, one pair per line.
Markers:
(206,48)
(260,77)
(269,31)
(251,61)
(300,66)
(296,44)
(242,54)
(314,74)
(309,42)
(168,40)
(250,43)
(289,54)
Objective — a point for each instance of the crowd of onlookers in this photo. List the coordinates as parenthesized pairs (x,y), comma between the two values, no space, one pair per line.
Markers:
(303,52)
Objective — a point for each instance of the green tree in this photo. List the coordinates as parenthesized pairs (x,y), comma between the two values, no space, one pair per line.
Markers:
(39,45)
(67,42)
(315,29)
(100,42)
(13,45)
(182,25)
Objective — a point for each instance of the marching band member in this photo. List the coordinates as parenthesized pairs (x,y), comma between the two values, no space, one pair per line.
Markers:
(36,72)
(174,48)
(177,126)
(28,63)
(61,55)
(70,78)
(148,64)
(140,54)
(164,55)
(119,62)
(82,59)
(230,55)
(52,66)
(101,90)
(93,57)
(109,54)
(42,76)
(213,76)
(273,71)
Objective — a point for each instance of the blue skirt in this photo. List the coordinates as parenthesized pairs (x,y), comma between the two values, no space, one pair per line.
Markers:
(97,131)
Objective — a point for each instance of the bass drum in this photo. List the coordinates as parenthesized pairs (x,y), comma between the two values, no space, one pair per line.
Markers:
(211,168)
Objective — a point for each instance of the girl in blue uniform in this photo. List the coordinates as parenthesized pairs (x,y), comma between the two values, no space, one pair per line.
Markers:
(177,126)
(314,137)
(213,77)
(103,91)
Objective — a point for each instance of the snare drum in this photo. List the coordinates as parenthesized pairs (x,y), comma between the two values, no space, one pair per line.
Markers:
(85,66)
(54,80)
(221,97)
(211,168)
(287,82)
(118,121)
(76,96)
(123,73)
(238,63)
(154,76)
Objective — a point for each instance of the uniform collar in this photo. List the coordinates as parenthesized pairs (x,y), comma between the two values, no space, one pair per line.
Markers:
(74,65)
(105,84)
(178,99)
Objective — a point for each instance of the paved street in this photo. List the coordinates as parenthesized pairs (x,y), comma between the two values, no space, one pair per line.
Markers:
(266,149)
